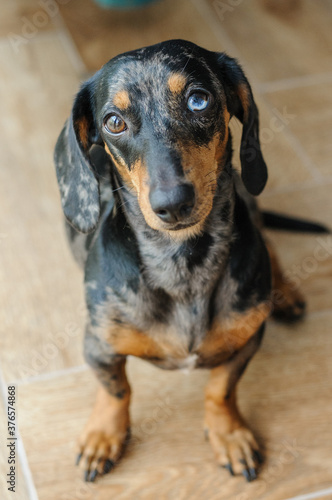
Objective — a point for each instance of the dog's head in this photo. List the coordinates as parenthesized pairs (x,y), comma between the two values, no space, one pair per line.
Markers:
(162,115)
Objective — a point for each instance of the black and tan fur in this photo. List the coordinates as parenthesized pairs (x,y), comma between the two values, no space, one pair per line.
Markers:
(191,292)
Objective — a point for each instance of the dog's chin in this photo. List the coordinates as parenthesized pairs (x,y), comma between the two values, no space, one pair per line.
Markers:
(192,226)
(182,231)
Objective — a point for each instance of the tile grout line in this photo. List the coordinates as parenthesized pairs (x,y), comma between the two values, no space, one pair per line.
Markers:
(296,187)
(311,496)
(318,314)
(51,375)
(32,492)
(23,460)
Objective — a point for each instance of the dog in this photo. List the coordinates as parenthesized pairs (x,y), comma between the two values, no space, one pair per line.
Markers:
(177,271)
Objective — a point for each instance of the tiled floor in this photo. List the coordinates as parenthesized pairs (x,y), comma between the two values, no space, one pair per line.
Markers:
(286,392)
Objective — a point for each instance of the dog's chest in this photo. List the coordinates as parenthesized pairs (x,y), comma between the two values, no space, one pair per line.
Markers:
(167,316)
(182,314)
(184,336)
(184,271)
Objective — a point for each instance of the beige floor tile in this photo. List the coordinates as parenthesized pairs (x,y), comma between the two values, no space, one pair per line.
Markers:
(312,123)
(285,395)
(282,44)
(21,492)
(311,202)
(101,34)
(42,290)
(307,258)
(26,19)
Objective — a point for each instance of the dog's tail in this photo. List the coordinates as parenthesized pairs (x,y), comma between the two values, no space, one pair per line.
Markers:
(273,220)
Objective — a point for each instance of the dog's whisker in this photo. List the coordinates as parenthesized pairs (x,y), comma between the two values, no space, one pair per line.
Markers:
(99,176)
(118,189)
(123,204)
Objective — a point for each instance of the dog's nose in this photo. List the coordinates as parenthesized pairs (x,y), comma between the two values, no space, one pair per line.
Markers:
(173,204)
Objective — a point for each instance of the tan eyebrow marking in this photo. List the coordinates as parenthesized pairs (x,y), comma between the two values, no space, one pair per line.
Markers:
(176,83)
(121,99)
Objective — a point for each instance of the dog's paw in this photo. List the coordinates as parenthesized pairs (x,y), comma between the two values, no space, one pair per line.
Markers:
(103,440)
(99,451)
(236,451)
(288,303)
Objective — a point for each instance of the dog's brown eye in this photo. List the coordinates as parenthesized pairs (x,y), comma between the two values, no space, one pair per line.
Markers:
(115,124)
(198,101)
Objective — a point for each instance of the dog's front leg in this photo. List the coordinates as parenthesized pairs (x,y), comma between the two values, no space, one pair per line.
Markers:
(233,443)
(104,436)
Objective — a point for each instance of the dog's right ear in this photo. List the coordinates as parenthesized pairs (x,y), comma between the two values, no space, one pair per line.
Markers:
(78,185)
(240,103)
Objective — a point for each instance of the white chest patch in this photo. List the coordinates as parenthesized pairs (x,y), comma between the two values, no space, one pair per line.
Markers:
(189,363)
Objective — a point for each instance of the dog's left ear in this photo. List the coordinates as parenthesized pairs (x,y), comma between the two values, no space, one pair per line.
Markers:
(77,178)
(240,103)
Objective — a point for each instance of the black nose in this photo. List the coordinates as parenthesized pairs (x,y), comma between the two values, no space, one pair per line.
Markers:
(173,204)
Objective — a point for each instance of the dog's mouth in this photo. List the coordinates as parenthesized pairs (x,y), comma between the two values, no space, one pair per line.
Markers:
(192,224)
(181,225)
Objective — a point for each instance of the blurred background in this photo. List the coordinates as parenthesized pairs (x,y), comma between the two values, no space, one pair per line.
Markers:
(48,47)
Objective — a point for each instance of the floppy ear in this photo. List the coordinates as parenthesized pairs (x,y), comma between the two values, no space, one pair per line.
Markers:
(78,185)
(240,102)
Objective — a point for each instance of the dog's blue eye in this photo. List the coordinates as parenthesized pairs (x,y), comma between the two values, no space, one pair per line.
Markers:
(115,124)
(198,101)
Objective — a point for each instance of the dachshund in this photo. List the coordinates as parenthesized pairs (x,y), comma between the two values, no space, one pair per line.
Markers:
(169,235)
